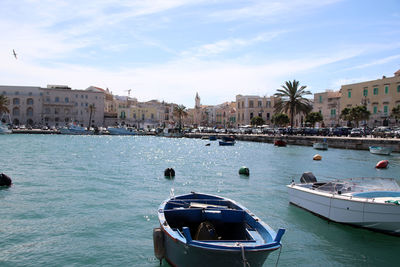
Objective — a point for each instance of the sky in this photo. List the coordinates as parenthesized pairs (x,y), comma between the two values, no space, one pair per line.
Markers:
(170,49)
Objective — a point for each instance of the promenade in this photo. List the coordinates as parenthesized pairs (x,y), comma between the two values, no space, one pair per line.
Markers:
(359,143)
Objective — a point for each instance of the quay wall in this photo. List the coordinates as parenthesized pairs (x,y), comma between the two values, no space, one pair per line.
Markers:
(359,143)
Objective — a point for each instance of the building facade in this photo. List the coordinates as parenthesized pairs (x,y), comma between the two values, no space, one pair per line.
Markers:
(251,106)
(328,104)
(379,96)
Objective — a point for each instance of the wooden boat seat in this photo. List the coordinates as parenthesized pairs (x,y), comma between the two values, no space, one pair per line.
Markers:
(198,215)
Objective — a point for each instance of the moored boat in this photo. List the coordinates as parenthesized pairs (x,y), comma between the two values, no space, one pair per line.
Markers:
(320,145)
(4,129)
(371,203)
(75,130)
(380,150)
(121,131)
(279,142)
(206,230)
(226,143)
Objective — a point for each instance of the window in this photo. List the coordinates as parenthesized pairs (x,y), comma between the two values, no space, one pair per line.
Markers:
(57,99)
(66,111)
(386,89)
(15,111)
(238,104)
(349,94)
(376,91)
(375,109)
(76,96)
(268,115)
(259,104)
(47,111)
(320,99)
(398,88)
(134,115)
(251,104)
(29,112)
(385,109)
(333,112)
(30,93)
(251,115)
(16,93)
(142,116)
(66,100)
(365,93)
(16,101)
(268,104)
(260,114)
(47,99)
(29,101)
(56,111)
(152,116)
(86,96)
(81,96)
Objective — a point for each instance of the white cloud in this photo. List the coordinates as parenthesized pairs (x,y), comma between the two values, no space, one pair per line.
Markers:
(376,62)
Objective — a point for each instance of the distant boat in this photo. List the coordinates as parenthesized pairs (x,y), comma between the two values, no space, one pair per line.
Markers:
(228,138)
(75,130)
(320,145)
(121,131)
(171,132)
(212,138)
(226,143)
(4,129)
(381,150)
(206,230)
(279,142)
(372,203)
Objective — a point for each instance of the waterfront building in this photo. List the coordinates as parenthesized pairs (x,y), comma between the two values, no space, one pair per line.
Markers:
(225,114)
(110,106)
(379,96)
(56,105)
(328,104)
(250,106)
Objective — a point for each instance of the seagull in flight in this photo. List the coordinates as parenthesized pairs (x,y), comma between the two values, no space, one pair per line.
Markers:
(15,54)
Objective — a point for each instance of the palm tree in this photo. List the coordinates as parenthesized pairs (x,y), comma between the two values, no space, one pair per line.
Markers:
(291,100)
(92,109)
(3,104)
(180,112)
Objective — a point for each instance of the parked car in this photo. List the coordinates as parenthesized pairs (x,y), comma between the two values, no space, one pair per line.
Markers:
(383,131)
(341,131)
(356,132)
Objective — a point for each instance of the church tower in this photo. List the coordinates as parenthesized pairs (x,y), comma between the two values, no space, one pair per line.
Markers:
(197,101)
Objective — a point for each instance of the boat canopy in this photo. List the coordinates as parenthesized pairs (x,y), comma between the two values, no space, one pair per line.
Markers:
(359,185)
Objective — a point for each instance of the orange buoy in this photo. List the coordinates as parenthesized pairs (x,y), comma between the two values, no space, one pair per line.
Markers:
(382,164)
(317,157)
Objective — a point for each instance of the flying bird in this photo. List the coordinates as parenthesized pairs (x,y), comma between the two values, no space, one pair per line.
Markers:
(15,54)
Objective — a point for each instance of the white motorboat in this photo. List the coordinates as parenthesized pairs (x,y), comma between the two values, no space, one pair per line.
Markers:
(4,129)
(372,203)
(380,150)
(121,131)
(320,145)
(75,130)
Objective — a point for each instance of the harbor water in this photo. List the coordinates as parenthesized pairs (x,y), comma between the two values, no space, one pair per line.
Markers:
(93,200)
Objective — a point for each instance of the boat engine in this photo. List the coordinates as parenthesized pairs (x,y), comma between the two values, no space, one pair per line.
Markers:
(308,177)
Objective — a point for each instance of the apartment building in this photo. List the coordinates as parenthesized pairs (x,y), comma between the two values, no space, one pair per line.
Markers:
(328,104)
(251,106)
(379,96)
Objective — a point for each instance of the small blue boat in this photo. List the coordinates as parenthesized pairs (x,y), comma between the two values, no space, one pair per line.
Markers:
(226,143)
(206,230)
(212,138)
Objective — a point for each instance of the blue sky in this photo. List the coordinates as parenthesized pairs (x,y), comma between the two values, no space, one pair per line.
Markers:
(171,49)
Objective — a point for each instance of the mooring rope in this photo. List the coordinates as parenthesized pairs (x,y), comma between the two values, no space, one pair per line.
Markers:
(277,260)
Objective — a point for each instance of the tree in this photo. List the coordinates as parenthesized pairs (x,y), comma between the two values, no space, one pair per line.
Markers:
(396,112)
(314,117)
(257,121)
(3,104)
(291,100)
(180,112)
(92,109)
(280,119)
(359,113)
(345,115)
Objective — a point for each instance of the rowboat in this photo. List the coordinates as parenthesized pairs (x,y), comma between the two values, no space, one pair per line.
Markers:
(381,150)
(372,203)
(226,143)
(206,230)
(279,142)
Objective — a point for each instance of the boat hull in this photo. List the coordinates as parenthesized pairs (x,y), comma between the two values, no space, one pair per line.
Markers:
(180,254)
(320,146)
(379,150)
(120,131)
(343,209)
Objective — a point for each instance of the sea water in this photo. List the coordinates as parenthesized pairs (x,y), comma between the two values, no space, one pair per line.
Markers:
(93,200)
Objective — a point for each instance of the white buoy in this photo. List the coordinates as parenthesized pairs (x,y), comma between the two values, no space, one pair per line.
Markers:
(317,157)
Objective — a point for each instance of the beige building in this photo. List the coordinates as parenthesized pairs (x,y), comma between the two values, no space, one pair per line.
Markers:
(328,104)
(225,115)
(56,105)
(379,96)
(251,106)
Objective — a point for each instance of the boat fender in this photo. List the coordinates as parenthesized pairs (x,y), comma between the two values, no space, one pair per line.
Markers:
(158,241)
(5,180)
(169,172)
(244,171)
(382,164)
(317,157)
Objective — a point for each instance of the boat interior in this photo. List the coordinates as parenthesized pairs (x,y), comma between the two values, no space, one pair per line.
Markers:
(211,223)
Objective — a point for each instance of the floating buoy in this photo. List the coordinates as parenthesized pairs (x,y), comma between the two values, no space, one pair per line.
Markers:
(382,164)
(158,242)
(169,172)
(244,171)
(317,157)
(5,180)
